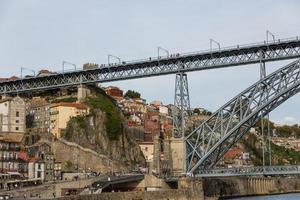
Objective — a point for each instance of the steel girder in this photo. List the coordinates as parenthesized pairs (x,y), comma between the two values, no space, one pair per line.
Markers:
(214,137)
(231,56)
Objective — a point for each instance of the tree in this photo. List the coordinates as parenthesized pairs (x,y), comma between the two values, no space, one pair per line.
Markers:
(132,94)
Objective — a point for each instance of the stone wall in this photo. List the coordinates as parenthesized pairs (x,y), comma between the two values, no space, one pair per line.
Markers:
(190,189)
(65,151)
(153,195)
(248,186)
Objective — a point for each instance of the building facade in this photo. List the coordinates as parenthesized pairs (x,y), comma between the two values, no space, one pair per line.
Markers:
(61,113)
(12,115)
(11,157)
(41,161)
(38,115)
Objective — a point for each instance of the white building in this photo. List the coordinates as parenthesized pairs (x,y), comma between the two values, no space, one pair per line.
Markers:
(36,170)
(12,115)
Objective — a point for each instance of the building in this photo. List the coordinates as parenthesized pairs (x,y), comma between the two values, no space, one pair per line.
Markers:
(152,125)
(12,159)
(57,170)
(148,150)
(12,115)
(41,161)
(38,115)
(61,113)
(114,91)
(13,78)
(45,72)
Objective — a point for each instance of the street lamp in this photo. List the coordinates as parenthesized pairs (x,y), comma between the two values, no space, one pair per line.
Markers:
(268,33)
(162,49)
(112,56)
(67,63)
(26,69)
(211,41)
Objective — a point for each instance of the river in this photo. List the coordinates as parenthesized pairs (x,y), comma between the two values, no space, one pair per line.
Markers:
(273,197)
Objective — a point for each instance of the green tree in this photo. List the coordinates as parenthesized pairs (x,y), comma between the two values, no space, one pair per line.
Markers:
(132,94)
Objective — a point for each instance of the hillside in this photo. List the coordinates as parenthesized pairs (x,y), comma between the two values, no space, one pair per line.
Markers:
(103,131)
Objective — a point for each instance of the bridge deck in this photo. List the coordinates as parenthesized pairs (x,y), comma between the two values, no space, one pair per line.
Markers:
(251,171)
(217,58)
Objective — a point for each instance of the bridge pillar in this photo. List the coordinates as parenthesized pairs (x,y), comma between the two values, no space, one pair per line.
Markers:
(82,92)
(156,154)
(178,161)
(182,108)
(181,123)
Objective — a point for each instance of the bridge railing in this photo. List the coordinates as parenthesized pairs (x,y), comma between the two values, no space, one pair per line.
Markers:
(178,55)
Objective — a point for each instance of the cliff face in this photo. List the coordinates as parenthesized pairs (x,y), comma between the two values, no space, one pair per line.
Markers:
(104,133)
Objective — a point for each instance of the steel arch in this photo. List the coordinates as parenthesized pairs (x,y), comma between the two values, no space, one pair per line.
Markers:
(214,137)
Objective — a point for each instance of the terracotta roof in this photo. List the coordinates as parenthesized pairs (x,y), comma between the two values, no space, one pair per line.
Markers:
(13,78)
(233,153)
(75,105)
(11,137)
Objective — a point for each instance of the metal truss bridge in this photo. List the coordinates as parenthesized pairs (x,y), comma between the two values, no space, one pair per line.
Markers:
(215,58)
(251,171)
(206,145)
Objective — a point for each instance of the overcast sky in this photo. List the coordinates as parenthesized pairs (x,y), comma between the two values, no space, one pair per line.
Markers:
(41,34)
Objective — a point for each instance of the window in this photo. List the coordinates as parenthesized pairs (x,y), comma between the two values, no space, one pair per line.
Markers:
(17,114)
(17,128)
(17,121)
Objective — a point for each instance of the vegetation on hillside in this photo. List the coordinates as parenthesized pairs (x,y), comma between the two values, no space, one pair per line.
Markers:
(113,121)
(132,94)
(280,154)
(65,100)
(80,121)
(281,131)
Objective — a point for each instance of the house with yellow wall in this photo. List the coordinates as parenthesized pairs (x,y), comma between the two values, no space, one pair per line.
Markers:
(61,113)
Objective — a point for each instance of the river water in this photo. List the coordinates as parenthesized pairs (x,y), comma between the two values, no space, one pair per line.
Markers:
(273,197)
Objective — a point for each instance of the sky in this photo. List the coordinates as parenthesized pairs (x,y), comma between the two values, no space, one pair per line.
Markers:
(39,34)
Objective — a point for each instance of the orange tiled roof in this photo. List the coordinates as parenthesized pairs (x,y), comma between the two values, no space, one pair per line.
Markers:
(11,137)
(75,105)
(232,153)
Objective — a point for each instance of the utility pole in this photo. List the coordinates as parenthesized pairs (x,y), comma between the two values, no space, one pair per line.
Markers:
(65,63)
(26,69)
(211,42)
(109,56)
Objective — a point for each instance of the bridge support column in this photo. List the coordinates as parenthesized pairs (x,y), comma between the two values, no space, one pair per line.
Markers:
(182,108)
(181,113)
(156,156)
(82,92)
(266,140)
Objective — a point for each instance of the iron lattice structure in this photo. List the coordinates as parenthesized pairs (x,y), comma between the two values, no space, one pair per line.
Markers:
(172,64)
(181,111)
(209,141)
(251,171)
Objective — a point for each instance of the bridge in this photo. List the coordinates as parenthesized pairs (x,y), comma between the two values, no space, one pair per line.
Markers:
(251,171)
(205,145)
(214,137)
(266,51)
(99,186)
